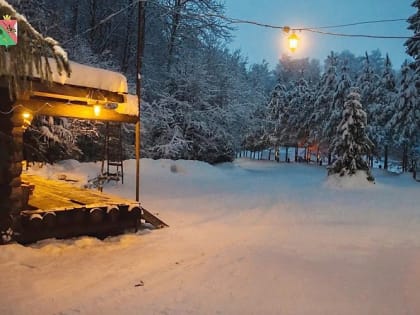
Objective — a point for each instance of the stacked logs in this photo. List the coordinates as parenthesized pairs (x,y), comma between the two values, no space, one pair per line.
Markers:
(11,155)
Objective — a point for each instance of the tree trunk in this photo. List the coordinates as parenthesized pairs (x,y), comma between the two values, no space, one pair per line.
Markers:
(176,16)
(405,159)
(269,154)
(286,159)
(11,144)
(296,153)
(93,8)
(127,42)
(75,25)
(318,157)
(386,157)
(329,158)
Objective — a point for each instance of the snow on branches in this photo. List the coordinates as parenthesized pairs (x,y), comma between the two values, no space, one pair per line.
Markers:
(351,143)
(31,54)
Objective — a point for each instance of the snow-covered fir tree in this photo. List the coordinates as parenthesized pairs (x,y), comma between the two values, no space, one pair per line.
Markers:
(406,121)
(368,82)
(278,116)
(386,97)
(413,43)
(302,96)
(336,107)
(323,100)
(351,143)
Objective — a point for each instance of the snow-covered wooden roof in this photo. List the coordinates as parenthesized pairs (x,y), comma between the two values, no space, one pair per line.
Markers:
(41,74)
(87,76)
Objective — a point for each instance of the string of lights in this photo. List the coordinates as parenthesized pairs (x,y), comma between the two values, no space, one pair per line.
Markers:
(20,105)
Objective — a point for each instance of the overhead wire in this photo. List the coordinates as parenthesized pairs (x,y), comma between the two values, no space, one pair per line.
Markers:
(231,20)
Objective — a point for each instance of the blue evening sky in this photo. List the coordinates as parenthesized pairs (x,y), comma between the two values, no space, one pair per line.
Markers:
(258,43)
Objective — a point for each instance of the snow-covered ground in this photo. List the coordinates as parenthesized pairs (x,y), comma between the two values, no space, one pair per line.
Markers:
(250,237)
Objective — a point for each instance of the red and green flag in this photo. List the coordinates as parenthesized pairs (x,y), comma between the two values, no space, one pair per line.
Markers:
(8,31)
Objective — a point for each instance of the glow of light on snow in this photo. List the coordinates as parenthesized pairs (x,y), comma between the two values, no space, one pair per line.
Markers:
(249,237)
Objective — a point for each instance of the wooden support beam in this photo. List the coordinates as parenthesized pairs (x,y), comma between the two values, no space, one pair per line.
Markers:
(61,109)
(69,91)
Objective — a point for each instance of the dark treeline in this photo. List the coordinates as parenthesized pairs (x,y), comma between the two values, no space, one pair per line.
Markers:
(202,101)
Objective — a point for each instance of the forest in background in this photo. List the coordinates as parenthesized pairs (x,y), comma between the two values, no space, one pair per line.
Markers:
(204,102)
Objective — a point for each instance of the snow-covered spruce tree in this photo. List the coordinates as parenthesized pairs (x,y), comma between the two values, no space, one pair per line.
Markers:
(367,83)
(413,111)
(336,107)
(277,116)
(351,143)
(406,121)
(302,97)
(324,98)
(413,43)
(384,109)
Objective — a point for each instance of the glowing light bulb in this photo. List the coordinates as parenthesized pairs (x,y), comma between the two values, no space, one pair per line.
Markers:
(293,42)
(97,110)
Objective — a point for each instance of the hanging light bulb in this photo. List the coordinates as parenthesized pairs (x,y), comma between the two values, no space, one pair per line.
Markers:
(293,41)
(97,110)
(27,119)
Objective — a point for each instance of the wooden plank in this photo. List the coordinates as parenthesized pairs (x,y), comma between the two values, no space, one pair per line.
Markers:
(76,91)
(153,220)
(55,195)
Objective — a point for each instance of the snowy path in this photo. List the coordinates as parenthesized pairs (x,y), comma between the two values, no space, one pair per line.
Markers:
(245,238)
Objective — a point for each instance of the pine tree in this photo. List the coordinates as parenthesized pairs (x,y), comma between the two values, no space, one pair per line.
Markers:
(367,83)
(351,142)
(323,100)
(300,109)
(413,43)
(406,121)
(385,94)
(336,107)
(277,116)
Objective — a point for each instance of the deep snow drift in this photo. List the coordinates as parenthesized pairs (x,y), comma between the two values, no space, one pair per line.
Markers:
(250,237)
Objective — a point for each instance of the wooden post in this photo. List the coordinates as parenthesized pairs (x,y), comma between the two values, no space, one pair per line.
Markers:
(11,156)
(140,50)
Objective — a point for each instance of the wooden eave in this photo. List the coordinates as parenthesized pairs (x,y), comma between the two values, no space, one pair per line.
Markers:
(54,99)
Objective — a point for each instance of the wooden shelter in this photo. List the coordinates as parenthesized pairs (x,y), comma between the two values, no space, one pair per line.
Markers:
(36,78)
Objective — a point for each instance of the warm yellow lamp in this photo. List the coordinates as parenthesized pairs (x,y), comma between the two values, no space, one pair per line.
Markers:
(293,42)
(97,110)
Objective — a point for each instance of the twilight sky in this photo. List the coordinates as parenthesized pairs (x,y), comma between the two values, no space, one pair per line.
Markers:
(258,43)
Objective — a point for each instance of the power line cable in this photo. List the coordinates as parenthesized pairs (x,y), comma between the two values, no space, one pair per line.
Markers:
(354,24)
(104,20)
(354,35)
(316,29)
